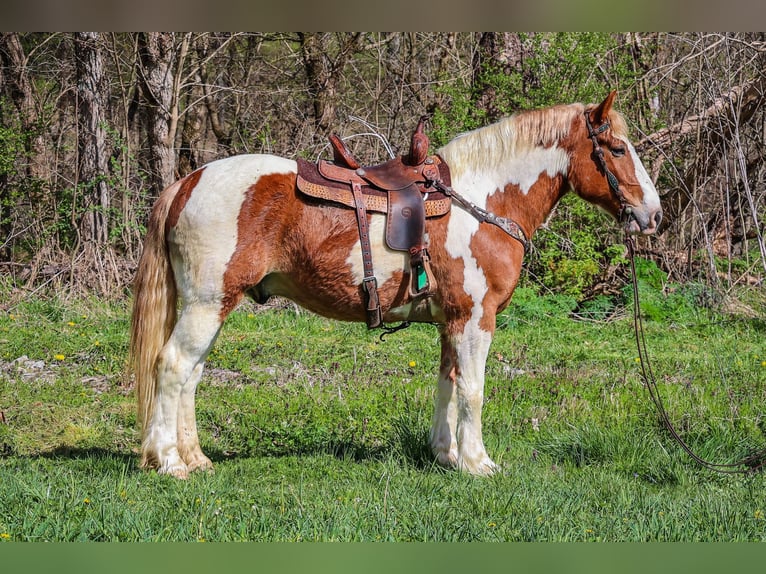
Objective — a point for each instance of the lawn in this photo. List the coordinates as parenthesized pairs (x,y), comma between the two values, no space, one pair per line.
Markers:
(319,431)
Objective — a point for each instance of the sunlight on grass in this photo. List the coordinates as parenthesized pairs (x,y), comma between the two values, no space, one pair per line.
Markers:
(320,432)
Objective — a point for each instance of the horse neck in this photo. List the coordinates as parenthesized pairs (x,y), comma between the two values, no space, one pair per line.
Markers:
(500,165)
(531,209)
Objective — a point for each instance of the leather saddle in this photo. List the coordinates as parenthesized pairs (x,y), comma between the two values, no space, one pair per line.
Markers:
(402,188)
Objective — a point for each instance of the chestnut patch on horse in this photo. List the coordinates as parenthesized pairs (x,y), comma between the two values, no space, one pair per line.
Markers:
(179,201)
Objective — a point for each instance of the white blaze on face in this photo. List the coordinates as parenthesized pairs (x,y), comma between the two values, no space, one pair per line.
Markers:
(651,202)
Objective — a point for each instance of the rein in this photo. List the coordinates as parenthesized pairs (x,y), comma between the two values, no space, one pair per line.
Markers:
(751,463)
(483,216)
(756,460)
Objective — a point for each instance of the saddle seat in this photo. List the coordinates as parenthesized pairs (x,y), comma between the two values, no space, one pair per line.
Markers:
(402,188)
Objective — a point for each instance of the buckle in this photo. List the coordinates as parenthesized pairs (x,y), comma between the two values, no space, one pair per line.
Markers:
(366,283)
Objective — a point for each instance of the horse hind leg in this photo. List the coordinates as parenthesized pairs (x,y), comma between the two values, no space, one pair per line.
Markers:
(188,440)
(170,443)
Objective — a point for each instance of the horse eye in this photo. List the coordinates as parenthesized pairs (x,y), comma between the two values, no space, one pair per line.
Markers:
(618,151)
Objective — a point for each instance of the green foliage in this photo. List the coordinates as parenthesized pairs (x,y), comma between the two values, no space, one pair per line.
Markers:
(527,306)
(573,248)
(661,300)
(576,244)
(558,68)
(11,146)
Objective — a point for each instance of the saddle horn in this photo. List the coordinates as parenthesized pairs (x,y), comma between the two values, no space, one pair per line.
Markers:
(418,145)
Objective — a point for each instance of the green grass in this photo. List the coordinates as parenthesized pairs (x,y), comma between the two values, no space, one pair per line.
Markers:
(319,432)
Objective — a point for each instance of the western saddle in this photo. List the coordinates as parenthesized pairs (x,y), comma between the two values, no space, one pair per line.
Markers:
(403,189)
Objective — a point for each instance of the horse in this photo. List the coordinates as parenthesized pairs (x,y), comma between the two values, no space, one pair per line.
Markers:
(239,227)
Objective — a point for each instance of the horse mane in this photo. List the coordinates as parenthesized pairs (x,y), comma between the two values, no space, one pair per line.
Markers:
(487,147)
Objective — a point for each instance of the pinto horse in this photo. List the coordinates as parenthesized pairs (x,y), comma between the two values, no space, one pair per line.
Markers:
(239,226)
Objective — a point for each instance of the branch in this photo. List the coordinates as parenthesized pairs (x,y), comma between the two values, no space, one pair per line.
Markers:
(744,100)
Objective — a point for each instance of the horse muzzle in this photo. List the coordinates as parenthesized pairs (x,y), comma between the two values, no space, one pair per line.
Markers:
(645,222)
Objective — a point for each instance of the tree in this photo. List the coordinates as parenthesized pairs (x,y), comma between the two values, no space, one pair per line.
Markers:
(93,150)
(157,52)
(324,61)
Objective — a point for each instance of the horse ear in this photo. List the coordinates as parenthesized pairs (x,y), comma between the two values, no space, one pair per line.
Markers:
(601,112)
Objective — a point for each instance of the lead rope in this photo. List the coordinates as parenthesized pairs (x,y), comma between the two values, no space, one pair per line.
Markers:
(751,463)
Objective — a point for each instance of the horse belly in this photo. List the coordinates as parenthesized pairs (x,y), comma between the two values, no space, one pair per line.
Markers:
(325,271)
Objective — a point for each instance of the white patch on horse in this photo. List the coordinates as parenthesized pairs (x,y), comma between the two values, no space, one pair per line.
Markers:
(385,261)
(460,229)
(525,169)
(207,227)
(651,197)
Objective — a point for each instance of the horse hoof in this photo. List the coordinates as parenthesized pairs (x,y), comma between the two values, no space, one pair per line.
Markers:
(446,459)
(485,467)
(200,464)
(178,470)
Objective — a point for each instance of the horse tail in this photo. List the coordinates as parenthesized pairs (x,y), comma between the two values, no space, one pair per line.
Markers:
(154,308)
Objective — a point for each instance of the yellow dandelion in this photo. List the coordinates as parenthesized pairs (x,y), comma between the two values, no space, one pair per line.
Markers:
(86,501)
(59,357)
(491,524)
(637,359)
(71,323)
(4,535)
(412,363)
(763,363)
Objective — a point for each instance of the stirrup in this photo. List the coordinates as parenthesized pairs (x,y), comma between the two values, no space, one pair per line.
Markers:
(422,280)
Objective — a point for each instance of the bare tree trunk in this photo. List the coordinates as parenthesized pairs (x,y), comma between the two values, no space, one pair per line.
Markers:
(22,91)
(324,70)
(156,81)
(93,151)
(500,52)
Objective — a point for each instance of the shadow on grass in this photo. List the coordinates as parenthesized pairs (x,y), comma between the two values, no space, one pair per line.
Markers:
(410,446)
(98,455)
(406,444)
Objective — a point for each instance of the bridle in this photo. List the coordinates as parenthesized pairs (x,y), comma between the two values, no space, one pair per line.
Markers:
(756,460)
(598,156)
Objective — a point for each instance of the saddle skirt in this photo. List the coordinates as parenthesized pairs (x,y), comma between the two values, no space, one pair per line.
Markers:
(329,182)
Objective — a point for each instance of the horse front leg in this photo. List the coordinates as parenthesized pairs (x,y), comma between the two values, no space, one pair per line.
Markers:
(444,424)
(456,433)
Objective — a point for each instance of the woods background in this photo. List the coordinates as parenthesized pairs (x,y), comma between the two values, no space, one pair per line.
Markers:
(94,125)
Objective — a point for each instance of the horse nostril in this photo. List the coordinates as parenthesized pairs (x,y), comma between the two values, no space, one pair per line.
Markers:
(657,217)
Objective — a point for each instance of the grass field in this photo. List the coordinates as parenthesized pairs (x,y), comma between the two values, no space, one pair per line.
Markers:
(319,431)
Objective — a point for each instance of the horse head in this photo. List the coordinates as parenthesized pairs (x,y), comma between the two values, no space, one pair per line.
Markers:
(607,171)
